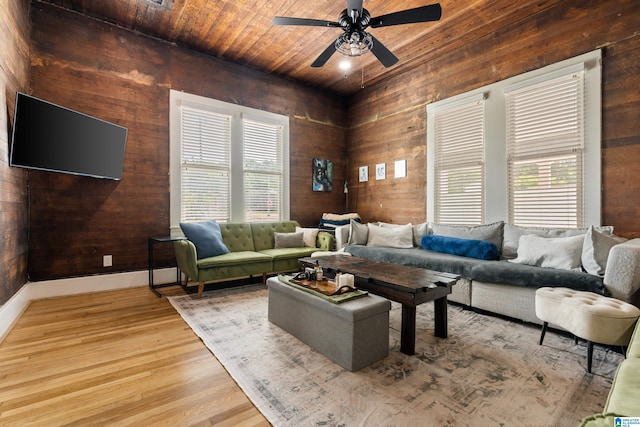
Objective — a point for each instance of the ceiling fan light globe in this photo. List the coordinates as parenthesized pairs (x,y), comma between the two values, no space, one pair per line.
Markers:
(354,44)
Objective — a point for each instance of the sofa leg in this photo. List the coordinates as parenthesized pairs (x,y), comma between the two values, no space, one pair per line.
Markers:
(624,351)
(544,331)
(264,279)
(589,355)
(200,289)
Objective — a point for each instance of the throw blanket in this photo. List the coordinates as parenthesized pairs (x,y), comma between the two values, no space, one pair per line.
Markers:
(484,271)
(464,247)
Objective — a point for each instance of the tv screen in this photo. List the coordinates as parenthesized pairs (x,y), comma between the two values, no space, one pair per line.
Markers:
(53,138)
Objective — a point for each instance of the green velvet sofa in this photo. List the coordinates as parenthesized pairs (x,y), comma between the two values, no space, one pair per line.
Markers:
(624,396)
(252,252)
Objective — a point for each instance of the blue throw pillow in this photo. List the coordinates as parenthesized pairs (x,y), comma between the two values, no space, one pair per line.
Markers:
(207,238)
(463,247)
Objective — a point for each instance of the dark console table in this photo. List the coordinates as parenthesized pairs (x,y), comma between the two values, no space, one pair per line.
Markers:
(152,241)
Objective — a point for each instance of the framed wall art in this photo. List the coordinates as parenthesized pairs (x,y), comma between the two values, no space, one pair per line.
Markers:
(364,174)
(322,171)
(400,168)
(381,171)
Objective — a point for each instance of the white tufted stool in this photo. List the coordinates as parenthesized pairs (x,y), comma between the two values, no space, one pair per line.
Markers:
(592,317)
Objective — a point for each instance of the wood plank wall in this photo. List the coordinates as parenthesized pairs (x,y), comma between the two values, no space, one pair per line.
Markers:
(388,120)
(123,77)
(14,76)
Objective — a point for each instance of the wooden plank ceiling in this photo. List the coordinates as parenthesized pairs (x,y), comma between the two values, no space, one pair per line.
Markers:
(241,31)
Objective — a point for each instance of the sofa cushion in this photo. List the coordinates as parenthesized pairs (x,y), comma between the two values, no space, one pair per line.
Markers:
(420,230)
(512,235)
(237,236)
(358,233)
(488,232)
(625,390)
(262,232)
(286,259)
(288,240)
(463,247)
(561,252)
(633,350)
(286,253)
(393,236)
(206,237)
(233,258)
(595,250)
(310,236)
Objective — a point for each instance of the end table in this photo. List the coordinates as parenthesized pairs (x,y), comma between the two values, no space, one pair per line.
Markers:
(152,241)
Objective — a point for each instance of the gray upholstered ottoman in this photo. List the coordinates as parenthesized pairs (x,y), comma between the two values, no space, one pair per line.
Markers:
(354,334)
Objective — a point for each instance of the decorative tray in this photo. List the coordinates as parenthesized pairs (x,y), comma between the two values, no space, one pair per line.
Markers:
(324,287)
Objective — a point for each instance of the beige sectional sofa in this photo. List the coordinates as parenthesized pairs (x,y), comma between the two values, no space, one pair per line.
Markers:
(252,249)
(501,286)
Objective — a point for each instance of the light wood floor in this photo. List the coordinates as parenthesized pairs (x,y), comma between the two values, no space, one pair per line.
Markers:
(114,358)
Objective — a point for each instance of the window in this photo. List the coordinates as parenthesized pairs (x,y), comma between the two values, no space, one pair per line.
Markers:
(262,171)
(459,163)
(205,168)
(228,162)
(540,151)
(545,148)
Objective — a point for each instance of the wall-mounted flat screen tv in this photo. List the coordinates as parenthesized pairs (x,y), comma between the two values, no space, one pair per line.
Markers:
(53,138)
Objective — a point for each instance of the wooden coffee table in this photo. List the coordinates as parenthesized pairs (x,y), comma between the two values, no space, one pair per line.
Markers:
(410,286)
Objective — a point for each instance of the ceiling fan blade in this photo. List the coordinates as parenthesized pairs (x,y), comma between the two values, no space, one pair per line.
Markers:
(283,20)
(429,13)
(383,54)
(324,56)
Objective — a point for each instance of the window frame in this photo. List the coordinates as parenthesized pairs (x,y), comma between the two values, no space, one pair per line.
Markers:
(238,113)
(496,175)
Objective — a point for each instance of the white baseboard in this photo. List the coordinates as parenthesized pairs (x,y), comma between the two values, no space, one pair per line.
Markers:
(11,311)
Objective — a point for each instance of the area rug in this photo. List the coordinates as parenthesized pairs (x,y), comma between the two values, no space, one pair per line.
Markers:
(489,371)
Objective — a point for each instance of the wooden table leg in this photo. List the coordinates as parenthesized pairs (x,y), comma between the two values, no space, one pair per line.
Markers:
(440,314)
(408,330)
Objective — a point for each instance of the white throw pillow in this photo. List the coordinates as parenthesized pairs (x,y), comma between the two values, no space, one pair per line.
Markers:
(419,231)
(309,236)
(358,233)
(553,252)
(595,251)
(512,235)
(391,237)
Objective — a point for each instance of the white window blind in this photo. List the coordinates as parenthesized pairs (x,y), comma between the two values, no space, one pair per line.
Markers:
(205,165)
(545,150)
(228,162)
(263,170)
(459,164)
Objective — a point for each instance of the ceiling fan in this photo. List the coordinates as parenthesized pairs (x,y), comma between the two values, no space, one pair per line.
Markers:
(354,20)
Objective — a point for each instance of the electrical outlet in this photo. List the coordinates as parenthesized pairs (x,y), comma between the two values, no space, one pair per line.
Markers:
(107,260)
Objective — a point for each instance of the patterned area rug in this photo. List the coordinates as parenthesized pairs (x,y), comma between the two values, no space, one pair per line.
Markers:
(489,372)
